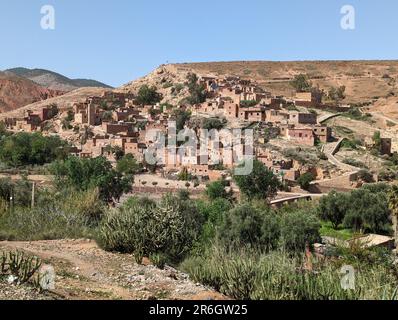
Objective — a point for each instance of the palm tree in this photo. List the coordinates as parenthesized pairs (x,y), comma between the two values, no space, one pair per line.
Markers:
(393,205)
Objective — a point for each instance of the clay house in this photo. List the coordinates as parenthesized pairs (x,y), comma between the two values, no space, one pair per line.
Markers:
(231,110)
(87,113)
(133,147)
(122,128)
(253,114)
(275,116)
(296,118)
(322,133)
(124,114)
(303,136)
(308,99)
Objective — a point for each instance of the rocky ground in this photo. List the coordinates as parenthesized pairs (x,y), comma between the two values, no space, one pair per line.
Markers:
(85,272)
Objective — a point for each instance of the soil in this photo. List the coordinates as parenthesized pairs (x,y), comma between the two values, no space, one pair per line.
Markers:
(86,272)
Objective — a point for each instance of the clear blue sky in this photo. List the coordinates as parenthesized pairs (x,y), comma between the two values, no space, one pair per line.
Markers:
(116,41)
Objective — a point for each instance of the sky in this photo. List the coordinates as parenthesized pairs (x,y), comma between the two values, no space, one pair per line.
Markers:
(116,41)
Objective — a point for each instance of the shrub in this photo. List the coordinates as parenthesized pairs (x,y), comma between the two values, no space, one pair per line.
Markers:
(299,228)
(333,208)
(261,183)
(148,95)
(216,190)
(305,180)
(169,227)
(248,274)
(31,149)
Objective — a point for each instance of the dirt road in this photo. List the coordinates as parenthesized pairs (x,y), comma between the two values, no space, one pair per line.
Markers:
(85,272)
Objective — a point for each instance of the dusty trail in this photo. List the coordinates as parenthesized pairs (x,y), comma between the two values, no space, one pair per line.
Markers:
(84,271)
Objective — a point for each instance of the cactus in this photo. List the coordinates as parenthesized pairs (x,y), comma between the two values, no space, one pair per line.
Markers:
(19,265)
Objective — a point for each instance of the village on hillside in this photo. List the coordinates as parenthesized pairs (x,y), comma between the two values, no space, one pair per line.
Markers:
(290,134)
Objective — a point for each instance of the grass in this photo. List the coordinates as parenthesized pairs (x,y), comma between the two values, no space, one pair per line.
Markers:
(341,233)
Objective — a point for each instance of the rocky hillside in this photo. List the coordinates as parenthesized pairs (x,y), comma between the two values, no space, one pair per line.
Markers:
(364,80)
(16,92)
(55,81)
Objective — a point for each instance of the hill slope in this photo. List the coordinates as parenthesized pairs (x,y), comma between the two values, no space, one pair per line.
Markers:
(364,80)
(16,92)
(55,81)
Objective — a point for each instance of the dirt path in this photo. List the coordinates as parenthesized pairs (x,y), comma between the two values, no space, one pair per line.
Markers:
(84,271)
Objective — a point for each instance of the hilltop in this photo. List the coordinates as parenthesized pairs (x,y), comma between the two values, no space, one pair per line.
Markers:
(364,80)
(55,81)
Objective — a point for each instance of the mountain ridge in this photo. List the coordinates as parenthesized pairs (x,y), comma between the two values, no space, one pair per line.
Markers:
(55,81)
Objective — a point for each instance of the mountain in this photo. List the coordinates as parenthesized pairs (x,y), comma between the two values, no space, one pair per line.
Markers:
(55,81)
(16,92)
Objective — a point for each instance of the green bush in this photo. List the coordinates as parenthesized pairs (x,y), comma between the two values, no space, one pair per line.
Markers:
(299,228)
(248,274)
(169,227)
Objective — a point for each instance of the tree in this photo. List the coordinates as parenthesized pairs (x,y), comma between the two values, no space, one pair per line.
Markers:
(212,123)
(333,208)
(216,190)
(368,212)
(299,228)
(337,94)
(148,95)
(128,165)
(31,149)
(301,83)
(197,91)
(241,226)
(85,174)
(181,117)
(305,180)
(261,183)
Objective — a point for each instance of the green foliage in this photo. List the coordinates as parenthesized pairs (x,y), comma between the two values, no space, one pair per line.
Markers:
(261,183)
(169,227)
(212,123)
(128,165)
(251,274)
(333,207)
(197,91)
(337,94)
(305,180)
(18,265)
(85,174)
(299,228)
(301,83)
(362,210)
(248,103)
(181,117)
(148,95)
(248,225)
(216,189)
(368,212)
(31,149)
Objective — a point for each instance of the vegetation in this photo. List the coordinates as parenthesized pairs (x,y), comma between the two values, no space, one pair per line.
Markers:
(197,91)
(305,180)
(213,123)
(22,149)
(261,183)
(85,174)
(362,210)
(168,228)
(301,83)
(148,95)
